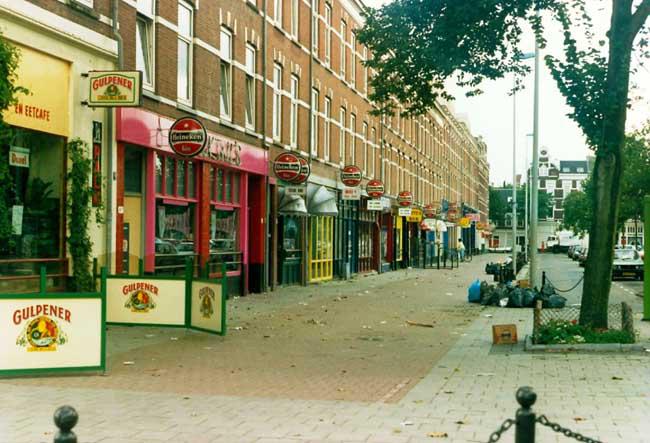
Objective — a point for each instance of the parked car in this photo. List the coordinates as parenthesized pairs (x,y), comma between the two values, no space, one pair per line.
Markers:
(582,257)
(627,263)
(577,252)
(569,251)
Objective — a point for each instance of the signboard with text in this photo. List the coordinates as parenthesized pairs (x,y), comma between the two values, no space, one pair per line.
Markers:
(187,136)
(404,212)
(141,300)
(351,193)
(115,88)
(374,205)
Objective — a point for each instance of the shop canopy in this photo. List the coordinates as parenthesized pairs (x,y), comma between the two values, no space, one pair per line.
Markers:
(323,202)
(292,204)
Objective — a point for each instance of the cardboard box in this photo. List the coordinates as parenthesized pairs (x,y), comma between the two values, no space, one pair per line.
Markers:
(523,283)
(504,334)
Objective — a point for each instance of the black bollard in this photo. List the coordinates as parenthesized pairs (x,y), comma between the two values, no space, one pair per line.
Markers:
(65,418)
(525,418)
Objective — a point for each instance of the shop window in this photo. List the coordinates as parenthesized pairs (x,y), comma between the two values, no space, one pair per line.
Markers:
(174,242)
(133,171)
(224,239)
(175,177)
(224,186)
(321,252)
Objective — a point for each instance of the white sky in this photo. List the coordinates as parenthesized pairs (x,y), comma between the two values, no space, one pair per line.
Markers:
(490,114)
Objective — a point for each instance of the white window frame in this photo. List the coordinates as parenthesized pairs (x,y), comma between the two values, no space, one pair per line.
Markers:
(327,128)
(314,122)
(342,114)
(190,55)
(294,89)
(353,138)
(364,140)
(373,138)
(315,26)
(365,70)
(353,59)
(277,102)
(344,28)
(277,12)
(295,18)
(328,33)
(147,17)
(251,92)
(225,54)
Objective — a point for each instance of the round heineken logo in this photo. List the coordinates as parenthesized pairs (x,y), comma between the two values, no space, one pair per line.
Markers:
(287,167)
(187,137)
(405,198)
(375,188)
(305,171)
(351,176)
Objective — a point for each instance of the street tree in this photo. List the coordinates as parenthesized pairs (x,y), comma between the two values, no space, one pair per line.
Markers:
(500,205)
(578,212)
(417,46)
(636,180)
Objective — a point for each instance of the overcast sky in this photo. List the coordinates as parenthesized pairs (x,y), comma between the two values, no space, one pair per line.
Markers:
(491,114)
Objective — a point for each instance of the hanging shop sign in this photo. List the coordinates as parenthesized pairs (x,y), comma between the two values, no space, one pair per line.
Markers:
(429,224)
(300,190)
(465,222)
(349,193)
(415,217)
(374,205)
(287,166)
(351,176)
(474,217)
(405,198)
(305,171)
(115,88)
(187,137)
(404,212)
(375,188)
(19,157)
(429,211)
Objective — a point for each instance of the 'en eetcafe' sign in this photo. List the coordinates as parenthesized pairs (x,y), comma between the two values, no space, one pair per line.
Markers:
(45,108)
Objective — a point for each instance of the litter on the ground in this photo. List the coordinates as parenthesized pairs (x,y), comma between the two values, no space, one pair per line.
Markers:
(128,363)
(415,323)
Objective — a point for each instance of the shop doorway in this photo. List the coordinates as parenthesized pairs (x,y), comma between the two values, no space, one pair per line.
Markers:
(132,229)
(289,250)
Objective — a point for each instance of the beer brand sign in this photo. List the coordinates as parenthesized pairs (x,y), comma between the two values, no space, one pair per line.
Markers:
(375,188)
(207,306)
(187,137)
(19,157)
(287,167)
(305,172)
(42,331)
(140,300)
(405,198)
(351,176)
(115,88)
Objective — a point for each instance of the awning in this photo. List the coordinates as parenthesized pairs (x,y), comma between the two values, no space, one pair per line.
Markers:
(292,204)
(323,202)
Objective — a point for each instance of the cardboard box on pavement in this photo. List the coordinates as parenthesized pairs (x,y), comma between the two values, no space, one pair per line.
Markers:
(504,334)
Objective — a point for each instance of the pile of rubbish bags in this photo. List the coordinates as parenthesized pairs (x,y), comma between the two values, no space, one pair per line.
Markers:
(507,295)
(503,272)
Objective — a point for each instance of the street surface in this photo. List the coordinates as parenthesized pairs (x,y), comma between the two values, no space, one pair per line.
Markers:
(338,362)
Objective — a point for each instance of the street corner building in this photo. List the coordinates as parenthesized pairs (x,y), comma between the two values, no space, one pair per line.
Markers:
(233,137)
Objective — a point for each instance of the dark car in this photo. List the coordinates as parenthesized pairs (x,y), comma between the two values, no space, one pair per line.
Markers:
(582,257)
(577,252)
(627,264)
(569,251)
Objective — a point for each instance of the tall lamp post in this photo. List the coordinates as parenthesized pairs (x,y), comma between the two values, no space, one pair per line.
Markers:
(528,172)
(524,56)
(532,275)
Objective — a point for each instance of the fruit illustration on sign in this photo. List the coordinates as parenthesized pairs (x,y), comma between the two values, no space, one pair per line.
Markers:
(187,137)
(405,198)
(305,171)
(351,176)
(287,167)
(375,188)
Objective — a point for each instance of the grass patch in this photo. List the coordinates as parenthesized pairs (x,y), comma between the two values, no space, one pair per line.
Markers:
(557,332)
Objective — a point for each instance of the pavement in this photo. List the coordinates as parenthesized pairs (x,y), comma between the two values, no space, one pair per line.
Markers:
(443,383)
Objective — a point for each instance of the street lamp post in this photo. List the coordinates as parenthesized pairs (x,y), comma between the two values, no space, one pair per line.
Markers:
(527,171)
(535,175)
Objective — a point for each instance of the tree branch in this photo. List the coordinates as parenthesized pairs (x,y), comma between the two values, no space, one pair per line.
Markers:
(640,16)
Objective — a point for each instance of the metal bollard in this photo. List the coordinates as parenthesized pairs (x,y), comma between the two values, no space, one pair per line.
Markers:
(525,418)
(543,278)
(65,418)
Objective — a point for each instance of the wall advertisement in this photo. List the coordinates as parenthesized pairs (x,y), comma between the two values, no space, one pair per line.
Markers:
(207,307)
(141,300)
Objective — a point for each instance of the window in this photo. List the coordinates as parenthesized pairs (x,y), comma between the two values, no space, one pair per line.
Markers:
(543,171)
(294,18)
(314,122)
(226,75)
(353,137)
(364,136)
(293,119)
(343,34)
(250,86)
(144,33)
(373,139)
(365,70)
(328,33)
(353,59)
(328,127)
(277,12)
(342,135)
(277,101)
(581,170)
(315,28)
(184,85)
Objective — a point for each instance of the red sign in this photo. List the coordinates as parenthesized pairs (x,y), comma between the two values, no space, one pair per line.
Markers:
(375,188)
(305,170)
(429,211)
(405,198)
(187,137)
(351,176)
(287,167)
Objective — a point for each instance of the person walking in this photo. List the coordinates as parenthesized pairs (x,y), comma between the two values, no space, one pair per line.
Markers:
(461,249)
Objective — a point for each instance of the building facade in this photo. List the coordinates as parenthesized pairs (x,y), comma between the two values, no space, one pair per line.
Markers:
(289,79)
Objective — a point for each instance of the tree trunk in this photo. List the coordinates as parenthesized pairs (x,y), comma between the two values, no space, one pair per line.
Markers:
(608,171)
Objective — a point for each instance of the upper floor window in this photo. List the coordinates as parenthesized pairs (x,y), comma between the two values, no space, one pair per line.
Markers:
(250,86)
(328,33)
(344,31)
(315,28)
(314,122)
(295,18)
(185,34)
(144,41)
(581,169)
(353,138)
(293,118)
(277,12)
(226,74)
(365,70)
(327,128)
(342,135)
(373,140)
(277,101)
(364,140)
(353,59)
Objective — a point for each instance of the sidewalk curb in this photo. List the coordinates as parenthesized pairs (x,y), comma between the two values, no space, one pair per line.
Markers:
(587,347)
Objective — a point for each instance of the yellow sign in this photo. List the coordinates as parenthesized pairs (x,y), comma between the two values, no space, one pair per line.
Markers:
(465,222)
(415,217)
(115,88)
(45,108)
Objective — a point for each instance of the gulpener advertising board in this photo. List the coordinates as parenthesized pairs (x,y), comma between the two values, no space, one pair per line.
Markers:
(187,137)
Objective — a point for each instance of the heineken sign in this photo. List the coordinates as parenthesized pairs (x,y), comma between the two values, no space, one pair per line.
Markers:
(187,137)
(351,176)
(405,198)
(287,167)
(115,88)
(375,188)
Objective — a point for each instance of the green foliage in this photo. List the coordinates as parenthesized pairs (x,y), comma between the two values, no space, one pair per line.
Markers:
(636,180)
(570,332)
(79,212)
(499,205)
(578,212)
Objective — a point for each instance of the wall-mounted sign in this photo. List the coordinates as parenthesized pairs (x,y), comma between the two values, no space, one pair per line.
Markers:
(287,166)
(404,212)
(300,190)
(374,205)
(465,222)
(187,137)
(429,211)
(19,157)
(222,150)
(351,176)
(305,171)
(415,217)
(405,198)
(474,217)
(375,188)
(429,224)
(115,88)
(349,193)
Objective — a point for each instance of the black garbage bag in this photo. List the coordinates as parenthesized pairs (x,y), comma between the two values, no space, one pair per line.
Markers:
(492,296)
(516,298)
(529,298)
(556,302)
(548,289)
(485,286)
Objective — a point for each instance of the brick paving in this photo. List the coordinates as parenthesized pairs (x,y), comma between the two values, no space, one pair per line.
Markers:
(464,395)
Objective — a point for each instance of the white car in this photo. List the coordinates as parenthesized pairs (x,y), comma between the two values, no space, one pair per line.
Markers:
(627,263)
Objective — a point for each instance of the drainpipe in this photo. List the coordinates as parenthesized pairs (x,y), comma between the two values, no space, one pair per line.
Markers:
(110,124)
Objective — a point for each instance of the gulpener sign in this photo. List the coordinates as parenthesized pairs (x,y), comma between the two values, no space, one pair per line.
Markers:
(187,137)
(351,176)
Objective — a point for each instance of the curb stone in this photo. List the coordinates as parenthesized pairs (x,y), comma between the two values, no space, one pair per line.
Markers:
(586,347)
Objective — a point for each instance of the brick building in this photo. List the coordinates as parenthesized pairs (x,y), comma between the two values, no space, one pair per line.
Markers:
(267,82)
